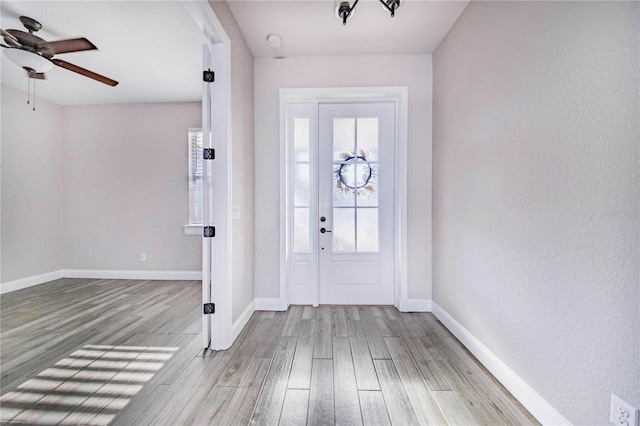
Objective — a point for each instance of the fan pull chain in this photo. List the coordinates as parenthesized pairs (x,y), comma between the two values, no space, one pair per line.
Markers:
(29,92)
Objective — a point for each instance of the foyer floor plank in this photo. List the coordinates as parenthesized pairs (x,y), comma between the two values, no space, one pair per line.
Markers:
(126,352)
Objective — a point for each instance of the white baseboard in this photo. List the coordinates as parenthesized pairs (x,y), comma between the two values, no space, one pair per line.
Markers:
(14,285)
(270,304)
(10,286)
(132,275)
(415,305)
(532,401)
(242,320)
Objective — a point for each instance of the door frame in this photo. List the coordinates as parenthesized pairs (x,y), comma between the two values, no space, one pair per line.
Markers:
(399,96)
(217,333)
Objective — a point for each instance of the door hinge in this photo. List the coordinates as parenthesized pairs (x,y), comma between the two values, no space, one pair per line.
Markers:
(209,231)
(208,76)
(208,153)
(209,308)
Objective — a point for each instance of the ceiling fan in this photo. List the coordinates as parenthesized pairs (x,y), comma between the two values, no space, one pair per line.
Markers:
(36,55)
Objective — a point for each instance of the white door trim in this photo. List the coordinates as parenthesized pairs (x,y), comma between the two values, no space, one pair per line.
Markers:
(216,118)
(399,95)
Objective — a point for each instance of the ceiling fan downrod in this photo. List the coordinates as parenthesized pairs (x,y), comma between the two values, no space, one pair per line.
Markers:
(30,24)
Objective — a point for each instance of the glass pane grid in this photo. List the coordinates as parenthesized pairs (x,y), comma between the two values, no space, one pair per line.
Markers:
(300,189)
(355,230)
(355,165)
(356,184)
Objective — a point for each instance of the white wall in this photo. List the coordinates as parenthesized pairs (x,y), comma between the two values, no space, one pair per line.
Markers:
(126,187)
(32,187)
(536,137)
(271,75)
(92,187)
(242,158)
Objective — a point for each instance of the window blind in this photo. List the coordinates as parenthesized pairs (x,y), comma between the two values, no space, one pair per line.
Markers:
(195,176)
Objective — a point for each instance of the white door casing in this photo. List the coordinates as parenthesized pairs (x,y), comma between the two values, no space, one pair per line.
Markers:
(216,112)
(300,269)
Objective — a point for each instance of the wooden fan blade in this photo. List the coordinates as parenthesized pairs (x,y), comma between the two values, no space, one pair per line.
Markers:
(66,46)
(10,39)
(85,72)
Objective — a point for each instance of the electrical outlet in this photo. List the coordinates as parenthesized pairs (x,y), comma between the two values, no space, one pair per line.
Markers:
(143,258)
(622,413)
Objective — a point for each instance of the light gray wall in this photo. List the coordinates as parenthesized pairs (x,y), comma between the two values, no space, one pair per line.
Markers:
(271,75)
(242,160)
(32,187)
(126,187)
(536,251)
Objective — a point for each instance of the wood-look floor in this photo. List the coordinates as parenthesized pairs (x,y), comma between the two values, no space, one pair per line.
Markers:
(128,352)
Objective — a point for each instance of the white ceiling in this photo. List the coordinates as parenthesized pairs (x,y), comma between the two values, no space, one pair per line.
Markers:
(310,27)
(154,49)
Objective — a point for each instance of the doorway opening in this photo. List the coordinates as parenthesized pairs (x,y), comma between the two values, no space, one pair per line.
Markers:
(343,196)
(217,332)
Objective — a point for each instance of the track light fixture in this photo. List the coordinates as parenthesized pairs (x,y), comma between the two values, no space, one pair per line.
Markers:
(391,5)
(345,10)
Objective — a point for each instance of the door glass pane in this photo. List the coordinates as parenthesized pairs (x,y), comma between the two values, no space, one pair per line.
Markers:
(364,174)
(343,191)
(367,230)
(368,190)
(301,185)
(301,230)
(344,141)
(344,230)
(368,138)
(301,139)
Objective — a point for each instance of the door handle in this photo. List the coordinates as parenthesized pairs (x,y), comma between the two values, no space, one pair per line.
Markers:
(323,230)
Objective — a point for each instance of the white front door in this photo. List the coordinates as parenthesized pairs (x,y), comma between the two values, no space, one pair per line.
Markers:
(343,168)
(341,208)
(355,203)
